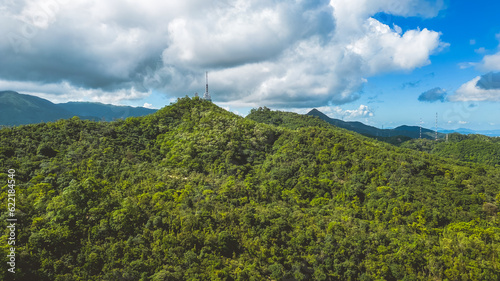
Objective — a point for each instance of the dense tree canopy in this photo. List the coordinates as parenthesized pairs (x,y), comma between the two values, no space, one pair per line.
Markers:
(469,148)
(194,192)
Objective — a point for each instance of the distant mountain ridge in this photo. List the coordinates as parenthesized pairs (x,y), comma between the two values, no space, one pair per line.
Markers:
(102,111)
(464,131)
(20,109)
(408,131)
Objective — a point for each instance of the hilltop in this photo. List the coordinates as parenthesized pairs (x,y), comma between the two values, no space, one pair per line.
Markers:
(196,192)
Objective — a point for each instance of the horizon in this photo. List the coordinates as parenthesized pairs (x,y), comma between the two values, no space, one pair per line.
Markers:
(461,130)
(383,63)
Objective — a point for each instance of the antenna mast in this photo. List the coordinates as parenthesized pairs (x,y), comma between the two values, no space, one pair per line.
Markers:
(420,128)
(436,126)
(206,96)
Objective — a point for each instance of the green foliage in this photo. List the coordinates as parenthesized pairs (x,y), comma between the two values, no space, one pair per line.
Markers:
(194,192)
(285,119)
(469,148)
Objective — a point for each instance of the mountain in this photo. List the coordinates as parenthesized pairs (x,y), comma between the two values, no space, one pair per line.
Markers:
(194,192)
(18,109)
(469,148)
(414,129)
(408,131)
(490,133)
(404,130)
(105,112)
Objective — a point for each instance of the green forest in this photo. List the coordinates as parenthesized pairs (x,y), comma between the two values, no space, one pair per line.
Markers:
(194,192)
(469,148)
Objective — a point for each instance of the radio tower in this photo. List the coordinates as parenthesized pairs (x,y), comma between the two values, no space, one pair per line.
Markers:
(206,96)
(436,126)
(420,128)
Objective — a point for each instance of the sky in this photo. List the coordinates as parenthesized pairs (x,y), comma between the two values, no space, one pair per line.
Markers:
(385,63)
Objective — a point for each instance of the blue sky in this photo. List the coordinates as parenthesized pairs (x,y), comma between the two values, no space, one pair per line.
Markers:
(472,32)
(385,62)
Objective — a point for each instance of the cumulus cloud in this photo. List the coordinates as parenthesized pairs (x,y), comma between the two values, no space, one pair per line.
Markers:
(481,88)
(383,49)
(433,95)
(485,87)
(275,53)
(64,91)
(489,81)
(489,62)
(362,111)
(148,105)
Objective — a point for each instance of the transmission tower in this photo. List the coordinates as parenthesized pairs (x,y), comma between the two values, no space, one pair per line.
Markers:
(206,96)
(436,126)
(420,128)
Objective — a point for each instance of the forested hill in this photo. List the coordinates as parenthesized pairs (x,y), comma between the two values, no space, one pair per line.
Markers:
(196,192)
(370,131)
(19,109)
(293,120)
(470,148)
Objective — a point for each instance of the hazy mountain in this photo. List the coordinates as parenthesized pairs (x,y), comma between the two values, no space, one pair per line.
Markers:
(408,131)
(105,112)
(464,131)
(18,109)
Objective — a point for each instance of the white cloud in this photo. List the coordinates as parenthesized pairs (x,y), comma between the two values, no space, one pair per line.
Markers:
(383,49)
(148,105)
(351,14)
(282,53)
(227,108)
(64,91)
(470,91)
(480,50)
(489,62)
(362,111)
(462,122)
(465,65)
(485,87)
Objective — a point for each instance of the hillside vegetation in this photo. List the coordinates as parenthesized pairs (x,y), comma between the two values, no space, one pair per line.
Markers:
(470,148)
(294,121)
(373,132)
(193,192)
